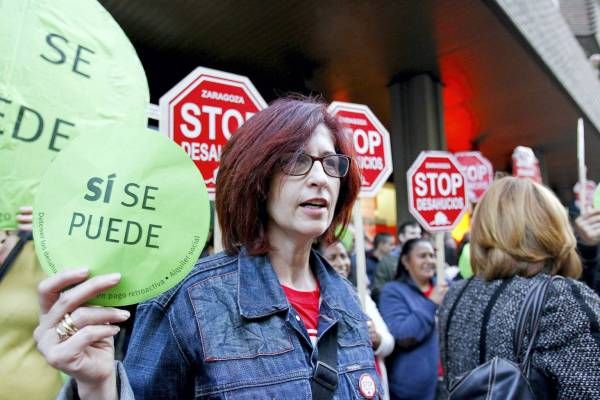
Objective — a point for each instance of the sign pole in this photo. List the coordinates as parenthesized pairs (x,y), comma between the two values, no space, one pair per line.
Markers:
(440,257)
(581,166)
(359,250)
(371,141)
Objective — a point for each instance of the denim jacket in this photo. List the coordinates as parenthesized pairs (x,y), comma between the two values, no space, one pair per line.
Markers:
(227,331)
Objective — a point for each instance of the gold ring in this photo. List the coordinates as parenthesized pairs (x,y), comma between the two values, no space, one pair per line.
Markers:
(62,336)
(66,328)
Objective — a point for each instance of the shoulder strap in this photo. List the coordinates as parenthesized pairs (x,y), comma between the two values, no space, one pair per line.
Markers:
(524,317)
(529,317)
(10,258)
(589,312)
(486,318)
(325,375)
(450,315)
(451,312)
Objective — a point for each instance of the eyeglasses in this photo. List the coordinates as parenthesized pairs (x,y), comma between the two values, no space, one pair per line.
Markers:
(334,165)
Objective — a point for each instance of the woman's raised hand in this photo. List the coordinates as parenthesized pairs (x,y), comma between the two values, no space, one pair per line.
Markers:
(78,339)
(587,227)
(373,335)
(439,291)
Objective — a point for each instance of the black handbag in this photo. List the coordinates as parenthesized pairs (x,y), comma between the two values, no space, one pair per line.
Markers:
(499,378)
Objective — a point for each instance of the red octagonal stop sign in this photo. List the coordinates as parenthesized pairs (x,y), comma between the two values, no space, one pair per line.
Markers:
(202,112)
(437,195)
(371,142)
(478,172)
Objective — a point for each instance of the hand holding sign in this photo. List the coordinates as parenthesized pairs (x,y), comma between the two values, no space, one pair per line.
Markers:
(587,227)
(133,204)
(587,195)
(88,356)
(439,291)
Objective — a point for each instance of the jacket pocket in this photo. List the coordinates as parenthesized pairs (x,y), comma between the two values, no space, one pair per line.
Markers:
(224,333)
(293,390)
(353,331)
(354,345)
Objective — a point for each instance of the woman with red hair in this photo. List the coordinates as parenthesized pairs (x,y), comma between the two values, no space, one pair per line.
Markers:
(268,318)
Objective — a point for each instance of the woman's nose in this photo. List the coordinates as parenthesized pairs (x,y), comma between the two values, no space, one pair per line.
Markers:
(317,174)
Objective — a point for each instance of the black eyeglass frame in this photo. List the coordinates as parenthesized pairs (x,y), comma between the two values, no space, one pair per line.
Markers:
(295,158)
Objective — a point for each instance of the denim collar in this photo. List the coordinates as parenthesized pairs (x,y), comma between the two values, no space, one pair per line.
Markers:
(260,293)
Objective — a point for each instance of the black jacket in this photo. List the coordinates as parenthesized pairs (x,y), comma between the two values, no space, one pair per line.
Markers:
(568,345)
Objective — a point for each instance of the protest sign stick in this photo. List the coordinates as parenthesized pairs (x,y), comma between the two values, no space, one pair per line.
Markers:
(440,257)
(359,250)
(581,166)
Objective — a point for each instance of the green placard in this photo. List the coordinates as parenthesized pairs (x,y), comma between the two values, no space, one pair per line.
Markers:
(66,68)
(132,203)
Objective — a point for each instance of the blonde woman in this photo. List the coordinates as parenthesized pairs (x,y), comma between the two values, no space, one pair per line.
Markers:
(521,234)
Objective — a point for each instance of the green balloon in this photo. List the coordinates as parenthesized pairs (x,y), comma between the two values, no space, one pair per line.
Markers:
(66,68)
(132,203)
(464,262)
(346,238)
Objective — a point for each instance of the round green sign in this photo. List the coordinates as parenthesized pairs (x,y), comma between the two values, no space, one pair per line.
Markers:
(132,203)
(66,68)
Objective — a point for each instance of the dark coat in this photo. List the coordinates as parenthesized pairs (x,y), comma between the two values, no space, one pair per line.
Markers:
(410,317)
(568,345)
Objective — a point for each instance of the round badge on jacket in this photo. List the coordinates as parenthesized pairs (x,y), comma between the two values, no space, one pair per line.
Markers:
(367,386)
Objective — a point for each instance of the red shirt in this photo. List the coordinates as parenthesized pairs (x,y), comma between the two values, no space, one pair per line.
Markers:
(429,290)
(306,305)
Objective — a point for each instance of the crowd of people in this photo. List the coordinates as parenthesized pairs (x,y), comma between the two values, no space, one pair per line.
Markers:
(276,315)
